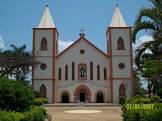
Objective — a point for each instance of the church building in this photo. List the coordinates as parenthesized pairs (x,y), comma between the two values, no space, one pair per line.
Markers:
(82,72)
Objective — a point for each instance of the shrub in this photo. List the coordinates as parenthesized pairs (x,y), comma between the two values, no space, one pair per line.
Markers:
(37,94)
(34,114)
(154,98)
(154,114)
(159,92)
(143,115)
(10,116)
(122,100)
(40,101)
(15,96)
(138,100)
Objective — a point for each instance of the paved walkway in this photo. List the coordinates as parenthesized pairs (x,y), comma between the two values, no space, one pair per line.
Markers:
(110,113)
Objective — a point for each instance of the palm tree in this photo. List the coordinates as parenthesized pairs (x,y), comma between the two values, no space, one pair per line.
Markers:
(16,62)
(149,19)
(153,24)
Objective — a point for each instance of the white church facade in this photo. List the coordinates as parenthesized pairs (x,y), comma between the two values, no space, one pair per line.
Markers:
(82,72)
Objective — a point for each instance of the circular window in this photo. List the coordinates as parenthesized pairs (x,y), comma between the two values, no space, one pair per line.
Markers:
(121,65)
(43,66)
(82,51)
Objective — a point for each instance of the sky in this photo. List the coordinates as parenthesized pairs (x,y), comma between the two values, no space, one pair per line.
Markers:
(18,17)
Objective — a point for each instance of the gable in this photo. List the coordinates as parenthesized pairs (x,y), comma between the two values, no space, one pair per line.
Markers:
(82,44)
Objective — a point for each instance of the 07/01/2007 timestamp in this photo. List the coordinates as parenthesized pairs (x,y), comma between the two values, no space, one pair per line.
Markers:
(139,106)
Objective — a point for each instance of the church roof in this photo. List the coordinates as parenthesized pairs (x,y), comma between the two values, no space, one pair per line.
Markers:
(117,19)
(46,20)
(88,42)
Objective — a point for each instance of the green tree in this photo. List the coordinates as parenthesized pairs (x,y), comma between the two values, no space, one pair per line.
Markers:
(150,70)
(139,90)
(150,19)
(17,62)
(14,95)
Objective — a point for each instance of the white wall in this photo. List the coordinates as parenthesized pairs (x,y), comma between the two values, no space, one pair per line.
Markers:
(121,76)
(45,56)
(48,85)
(116,85)
(73,55)
(115,35)
(39,34)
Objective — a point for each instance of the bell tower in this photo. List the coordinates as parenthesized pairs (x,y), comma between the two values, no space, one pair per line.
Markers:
(45,49)
(120,51)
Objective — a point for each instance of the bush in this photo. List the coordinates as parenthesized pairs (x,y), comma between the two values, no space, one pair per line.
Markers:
(37,94)
(122,100)
(139,100)
(40,101)
(155,98)
(143,115)
(10,116)
(159,92)
(15,96)
(154,114)
(34,114)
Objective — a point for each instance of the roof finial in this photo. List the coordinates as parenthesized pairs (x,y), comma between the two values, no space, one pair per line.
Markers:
(46,5)
(82,32)
(117,3)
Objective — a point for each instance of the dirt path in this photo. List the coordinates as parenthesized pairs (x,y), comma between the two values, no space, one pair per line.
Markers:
(106,114)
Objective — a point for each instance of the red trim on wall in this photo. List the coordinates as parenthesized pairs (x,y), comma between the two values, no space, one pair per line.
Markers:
(47,29)
(111,70)
(131,60)
(33,56)
(117,28)
(122,78)
(54,66)
(43,79)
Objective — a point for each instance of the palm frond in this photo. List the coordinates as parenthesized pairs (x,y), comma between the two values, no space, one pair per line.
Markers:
(142,26)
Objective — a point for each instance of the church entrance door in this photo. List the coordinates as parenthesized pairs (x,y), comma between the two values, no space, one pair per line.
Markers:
(82,97)
(82,94)
(65,98)
(100,98)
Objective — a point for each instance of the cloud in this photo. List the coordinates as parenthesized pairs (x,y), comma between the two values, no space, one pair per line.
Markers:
(2,45)
(63,45)
(142,39)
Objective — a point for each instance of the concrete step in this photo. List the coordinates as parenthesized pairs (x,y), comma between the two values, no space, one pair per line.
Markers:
(82,105)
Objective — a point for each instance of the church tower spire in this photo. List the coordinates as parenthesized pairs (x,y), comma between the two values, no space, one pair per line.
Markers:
(119,46)
(118,19)
(46,20)
(45,50)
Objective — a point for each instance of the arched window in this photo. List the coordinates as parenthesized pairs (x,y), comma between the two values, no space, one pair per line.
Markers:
(43,91)
(73,71)
(66,72)
(43,45)
(59,74)
(91,70)
(122,91)
(105,74)
(120,44)
(98,72)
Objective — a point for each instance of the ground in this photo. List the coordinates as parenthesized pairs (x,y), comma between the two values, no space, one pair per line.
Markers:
(110,113)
